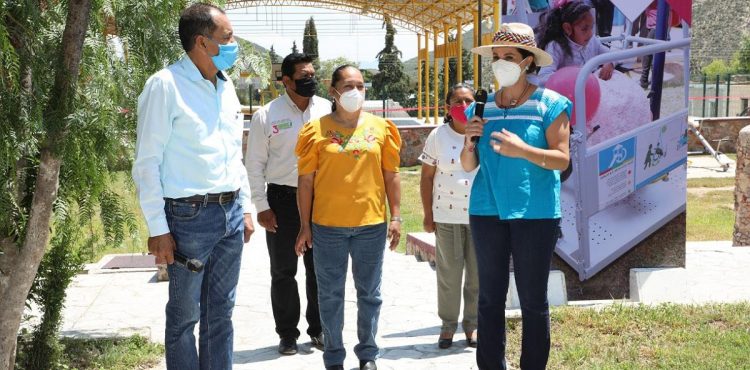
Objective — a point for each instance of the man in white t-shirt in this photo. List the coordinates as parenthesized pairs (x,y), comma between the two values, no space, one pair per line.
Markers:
(272,173)
(445,189)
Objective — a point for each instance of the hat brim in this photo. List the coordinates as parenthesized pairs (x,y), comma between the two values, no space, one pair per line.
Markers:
(541,57)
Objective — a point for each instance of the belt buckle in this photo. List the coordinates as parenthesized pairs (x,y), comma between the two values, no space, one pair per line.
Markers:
(221,197)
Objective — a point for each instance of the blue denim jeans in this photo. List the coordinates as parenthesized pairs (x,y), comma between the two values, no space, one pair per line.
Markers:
(213,234)
(531,243)
(333,246)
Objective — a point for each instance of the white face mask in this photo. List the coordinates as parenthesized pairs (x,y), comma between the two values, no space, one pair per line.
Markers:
(506,73)
(351,100)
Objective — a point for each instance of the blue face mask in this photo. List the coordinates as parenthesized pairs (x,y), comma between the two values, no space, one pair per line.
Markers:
(227,55)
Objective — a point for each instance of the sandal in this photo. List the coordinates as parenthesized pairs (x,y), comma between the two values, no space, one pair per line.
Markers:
(445,340)
(471,339)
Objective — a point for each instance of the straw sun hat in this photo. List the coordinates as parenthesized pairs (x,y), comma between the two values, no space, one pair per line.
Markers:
(517,35)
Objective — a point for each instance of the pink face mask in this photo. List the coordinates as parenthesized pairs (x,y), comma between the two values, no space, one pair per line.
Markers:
(458,113)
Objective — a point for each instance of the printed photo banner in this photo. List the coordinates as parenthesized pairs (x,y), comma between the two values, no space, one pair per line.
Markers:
(639,161)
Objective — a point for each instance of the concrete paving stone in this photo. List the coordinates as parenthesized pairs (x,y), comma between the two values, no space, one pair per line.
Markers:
(714,272)
(399,353)
(700,166)
(80,297)
(75,313)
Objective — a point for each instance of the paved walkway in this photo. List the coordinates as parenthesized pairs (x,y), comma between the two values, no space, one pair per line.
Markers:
(133,302)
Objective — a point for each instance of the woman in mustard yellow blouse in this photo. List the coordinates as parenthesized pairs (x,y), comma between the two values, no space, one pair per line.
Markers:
(348,162)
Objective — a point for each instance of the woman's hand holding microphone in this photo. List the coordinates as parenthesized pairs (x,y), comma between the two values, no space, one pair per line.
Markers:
(474,129)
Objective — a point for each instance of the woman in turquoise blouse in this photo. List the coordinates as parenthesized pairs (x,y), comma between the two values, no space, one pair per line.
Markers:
(515,200)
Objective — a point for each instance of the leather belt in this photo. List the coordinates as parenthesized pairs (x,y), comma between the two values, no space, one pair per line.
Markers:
(221,198)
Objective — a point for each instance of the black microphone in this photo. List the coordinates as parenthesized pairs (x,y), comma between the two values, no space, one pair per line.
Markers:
(193,264)
(481,99)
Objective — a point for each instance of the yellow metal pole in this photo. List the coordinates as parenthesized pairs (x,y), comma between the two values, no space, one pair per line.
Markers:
(446,65)
(435,78)
(419,76)
(476,56)
(460,56)
(427,75)
(498,9)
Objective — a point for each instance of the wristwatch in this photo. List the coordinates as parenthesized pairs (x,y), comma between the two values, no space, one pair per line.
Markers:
(397,219)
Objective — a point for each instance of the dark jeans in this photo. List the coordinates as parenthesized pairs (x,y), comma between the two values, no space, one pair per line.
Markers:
(284,294)
(531,243)
(605,13)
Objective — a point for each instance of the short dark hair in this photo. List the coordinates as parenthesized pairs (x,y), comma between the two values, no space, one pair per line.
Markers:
(453,89)
(448,118)
(197,19)
(289,64)
(533,68)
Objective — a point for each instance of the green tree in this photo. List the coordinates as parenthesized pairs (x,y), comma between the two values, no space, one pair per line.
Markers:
(717,67)
(310,42)
(325,72)
(294,47)
(391,82)
(275,58)
(741,62)
(71,77)
(251,64)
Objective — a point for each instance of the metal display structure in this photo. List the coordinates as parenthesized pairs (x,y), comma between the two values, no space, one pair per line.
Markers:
(607,207)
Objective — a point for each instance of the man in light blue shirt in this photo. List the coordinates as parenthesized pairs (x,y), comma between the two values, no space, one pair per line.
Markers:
(193,187)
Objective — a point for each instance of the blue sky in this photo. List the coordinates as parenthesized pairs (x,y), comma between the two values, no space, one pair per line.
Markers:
(340,34)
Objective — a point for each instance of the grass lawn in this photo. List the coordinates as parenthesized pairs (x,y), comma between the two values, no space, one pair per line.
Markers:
(642,337)
(411,204)
(134,352)
(711,182)
(710,209)
(710,215)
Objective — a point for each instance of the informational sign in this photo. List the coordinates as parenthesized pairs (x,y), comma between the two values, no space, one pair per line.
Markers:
(659,151)
(616,172)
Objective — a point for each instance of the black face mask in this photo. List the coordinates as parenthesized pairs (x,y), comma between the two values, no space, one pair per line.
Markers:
(306,87)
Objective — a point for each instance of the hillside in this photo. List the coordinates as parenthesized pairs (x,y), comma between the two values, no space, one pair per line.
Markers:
(718,29)
(410,65)
(257,47)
